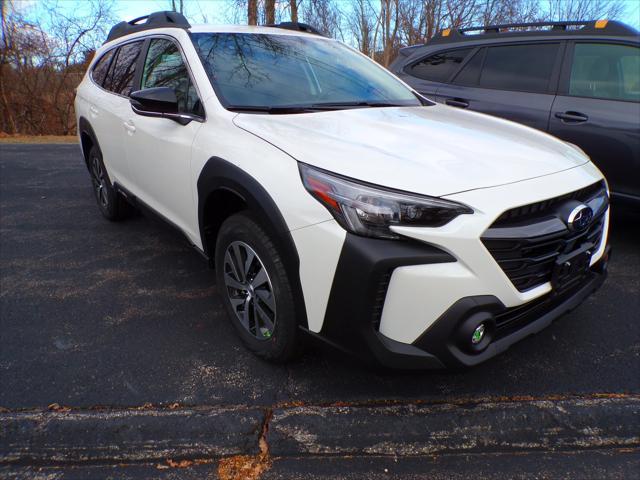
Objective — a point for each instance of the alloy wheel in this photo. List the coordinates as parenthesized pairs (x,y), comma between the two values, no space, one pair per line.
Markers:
(99,180)
(249,290)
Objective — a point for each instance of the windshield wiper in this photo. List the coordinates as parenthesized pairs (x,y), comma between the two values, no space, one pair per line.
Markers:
(335,105)
(284,109)
(314,107)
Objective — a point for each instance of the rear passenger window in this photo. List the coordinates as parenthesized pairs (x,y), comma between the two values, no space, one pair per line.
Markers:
(605,71)
(524,68)
(438,67)
(123,69)
(101,67)
(164,67)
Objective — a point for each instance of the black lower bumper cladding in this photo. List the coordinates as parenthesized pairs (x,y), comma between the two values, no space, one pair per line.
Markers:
(363,272)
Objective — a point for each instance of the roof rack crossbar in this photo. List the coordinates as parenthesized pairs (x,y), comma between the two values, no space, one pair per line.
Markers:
(298,27)
(153,20)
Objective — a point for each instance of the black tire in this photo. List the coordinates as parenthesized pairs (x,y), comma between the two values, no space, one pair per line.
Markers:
(112,205)
(282,342)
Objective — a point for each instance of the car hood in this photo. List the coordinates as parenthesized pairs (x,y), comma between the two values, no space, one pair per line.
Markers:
(434,150)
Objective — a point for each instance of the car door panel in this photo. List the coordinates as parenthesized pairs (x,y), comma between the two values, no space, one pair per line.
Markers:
(610,136)
(159,149)
(597,109)
(512,81)
(530,109)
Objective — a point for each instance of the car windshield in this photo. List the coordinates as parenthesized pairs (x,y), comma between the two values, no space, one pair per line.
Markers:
(282,73)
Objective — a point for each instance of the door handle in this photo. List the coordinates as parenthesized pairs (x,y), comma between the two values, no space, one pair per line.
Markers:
(457,102)
(129,127)
(572,117)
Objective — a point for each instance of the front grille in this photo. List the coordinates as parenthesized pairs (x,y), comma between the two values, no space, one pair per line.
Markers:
(526,245)
(546,207)
(515,318)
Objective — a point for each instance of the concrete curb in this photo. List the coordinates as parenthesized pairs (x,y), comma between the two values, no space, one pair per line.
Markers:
(128,435)
(146,435)
(456,428)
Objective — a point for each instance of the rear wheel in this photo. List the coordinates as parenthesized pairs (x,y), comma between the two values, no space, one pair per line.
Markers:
(255,289)
(110,202)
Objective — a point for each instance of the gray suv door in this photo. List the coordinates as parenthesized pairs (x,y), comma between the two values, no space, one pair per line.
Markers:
(488,82)
(598,109)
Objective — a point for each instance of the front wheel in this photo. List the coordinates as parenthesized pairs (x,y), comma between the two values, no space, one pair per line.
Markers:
(255,289)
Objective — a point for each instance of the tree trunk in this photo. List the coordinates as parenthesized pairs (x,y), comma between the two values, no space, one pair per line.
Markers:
(270,11)
(252,12)
(294,10)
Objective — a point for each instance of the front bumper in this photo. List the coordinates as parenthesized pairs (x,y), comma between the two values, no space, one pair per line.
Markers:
(384,298)
(352,321)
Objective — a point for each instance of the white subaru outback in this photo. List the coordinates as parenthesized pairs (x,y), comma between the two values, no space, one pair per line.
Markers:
(333,201)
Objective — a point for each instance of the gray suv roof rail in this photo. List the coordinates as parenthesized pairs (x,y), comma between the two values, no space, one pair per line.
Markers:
(153,20)
(590,27)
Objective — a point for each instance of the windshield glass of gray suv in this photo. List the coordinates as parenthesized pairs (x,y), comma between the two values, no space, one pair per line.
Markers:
(260,71)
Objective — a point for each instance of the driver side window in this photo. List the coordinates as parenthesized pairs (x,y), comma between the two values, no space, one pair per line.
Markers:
(164,67)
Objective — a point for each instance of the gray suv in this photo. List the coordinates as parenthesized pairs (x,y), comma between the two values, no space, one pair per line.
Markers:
(579,81)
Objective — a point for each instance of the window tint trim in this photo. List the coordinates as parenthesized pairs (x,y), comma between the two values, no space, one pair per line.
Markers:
(175,41)
(567,65)
(470,55)
(554,72)
(474,48)
(482,51)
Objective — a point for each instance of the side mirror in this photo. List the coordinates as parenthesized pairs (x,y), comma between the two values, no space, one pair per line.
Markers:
(158,102)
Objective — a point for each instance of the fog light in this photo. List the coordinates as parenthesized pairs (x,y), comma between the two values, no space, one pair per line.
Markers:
(478,334)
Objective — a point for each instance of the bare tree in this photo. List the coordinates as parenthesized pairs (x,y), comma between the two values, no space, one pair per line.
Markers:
(270,11)
(293,6)
(361,22)
(389,12)
(495,12)
(252,12)
(583,9)
(323,14)
(177,6)
(39,71)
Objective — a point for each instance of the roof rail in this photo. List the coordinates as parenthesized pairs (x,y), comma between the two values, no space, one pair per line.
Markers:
(153,20)
(590,27)
(298,27)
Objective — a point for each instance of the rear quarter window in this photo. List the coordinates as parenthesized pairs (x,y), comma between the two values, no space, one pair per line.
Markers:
(123,68)
(439,66)
(100,69)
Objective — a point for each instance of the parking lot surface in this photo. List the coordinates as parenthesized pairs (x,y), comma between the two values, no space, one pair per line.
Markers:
(105,322)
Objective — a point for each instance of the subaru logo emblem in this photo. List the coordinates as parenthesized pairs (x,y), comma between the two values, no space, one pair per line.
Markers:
(580,218)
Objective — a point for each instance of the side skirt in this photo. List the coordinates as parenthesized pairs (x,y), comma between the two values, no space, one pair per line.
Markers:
(154,214)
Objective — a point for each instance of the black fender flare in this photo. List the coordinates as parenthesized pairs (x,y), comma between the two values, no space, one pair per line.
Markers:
(84,127)
(219,174)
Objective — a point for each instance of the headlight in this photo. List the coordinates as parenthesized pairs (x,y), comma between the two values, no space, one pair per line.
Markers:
(370,211)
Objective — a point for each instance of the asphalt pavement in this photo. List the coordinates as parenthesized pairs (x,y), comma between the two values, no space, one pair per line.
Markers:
(116,359)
